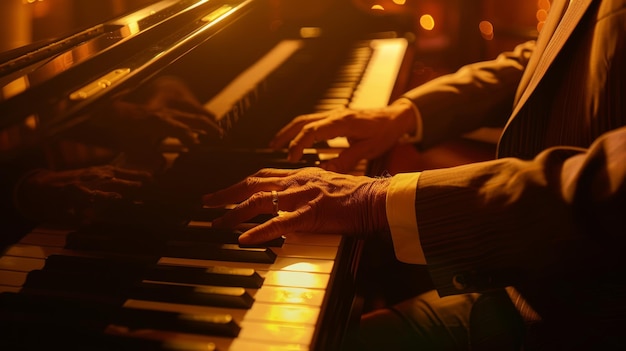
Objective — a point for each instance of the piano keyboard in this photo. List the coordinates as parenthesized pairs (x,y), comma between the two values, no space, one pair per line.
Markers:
(217,296)
(192,287)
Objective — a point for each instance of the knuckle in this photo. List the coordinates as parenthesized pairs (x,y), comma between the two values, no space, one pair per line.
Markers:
(255,199)
(251,181)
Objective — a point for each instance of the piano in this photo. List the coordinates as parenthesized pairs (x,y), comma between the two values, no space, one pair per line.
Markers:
(157,276)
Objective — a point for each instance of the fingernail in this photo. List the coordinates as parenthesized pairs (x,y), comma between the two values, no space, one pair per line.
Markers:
(244,239)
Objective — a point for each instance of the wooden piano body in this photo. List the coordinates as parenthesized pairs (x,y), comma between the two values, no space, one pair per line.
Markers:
(157,276)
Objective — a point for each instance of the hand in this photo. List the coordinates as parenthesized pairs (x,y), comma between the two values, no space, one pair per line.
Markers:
(309,199)
(77,194)
(170,92)
(370,132)
(139,126)
(167,109)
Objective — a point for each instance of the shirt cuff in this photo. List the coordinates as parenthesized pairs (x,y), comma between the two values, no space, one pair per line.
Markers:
(400,207)
(419,125)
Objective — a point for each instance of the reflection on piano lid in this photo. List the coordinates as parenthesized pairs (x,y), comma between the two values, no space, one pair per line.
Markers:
(54,82)
(35,64)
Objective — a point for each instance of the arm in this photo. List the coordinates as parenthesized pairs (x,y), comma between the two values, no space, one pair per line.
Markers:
(508,221)
(477,95)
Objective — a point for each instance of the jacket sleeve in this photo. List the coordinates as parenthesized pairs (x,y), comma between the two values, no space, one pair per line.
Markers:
(510,221)
(477,95)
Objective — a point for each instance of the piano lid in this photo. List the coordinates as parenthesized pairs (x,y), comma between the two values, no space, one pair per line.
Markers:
(57,81)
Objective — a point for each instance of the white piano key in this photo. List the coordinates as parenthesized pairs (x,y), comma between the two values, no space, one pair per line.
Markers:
(281,294)
(20,264)
(306,251)
(271,332)
(296,279)
(313,239)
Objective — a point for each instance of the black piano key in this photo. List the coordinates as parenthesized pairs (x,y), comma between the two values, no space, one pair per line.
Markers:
(209,214)
(46,334)
(147,215)
(228,297)
(101,264)
(224,236)
(111,288)
(173,248)
(105,243)
(214,275)
(149,270)
(116,287)
(96,315)
(219,252)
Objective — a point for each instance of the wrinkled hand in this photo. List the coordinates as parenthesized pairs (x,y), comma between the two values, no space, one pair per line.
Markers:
(370,132)
(77,194)
(309,199)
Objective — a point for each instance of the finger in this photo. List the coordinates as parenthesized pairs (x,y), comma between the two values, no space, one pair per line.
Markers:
(274,228)
(317,131)
(288,132)
(106,196)
(201,121)
(258,203)
(126,188)
(266,202)
(172,127)
(264,180)
(132,174)
(347,160)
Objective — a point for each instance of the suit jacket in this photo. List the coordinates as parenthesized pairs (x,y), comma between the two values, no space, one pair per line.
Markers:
(548,216)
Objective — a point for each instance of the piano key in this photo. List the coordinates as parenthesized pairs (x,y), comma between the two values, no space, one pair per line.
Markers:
(197,233)
(293,295)
(13,263)
(231,297)
(118,286)
(66,309)
(220,252)
(149,270)
(35,335)
(270,294)
(214,275)
(206,214)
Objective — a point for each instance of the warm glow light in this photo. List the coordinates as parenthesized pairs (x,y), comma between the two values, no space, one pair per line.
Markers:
(15,87)
(427,22)
(297,279)
(399,2)
(543,4)
(543,7)
(294,296)
(31,122)
(301,267)
(290,314)
(542,15)
(486,29)
(310,32)
(378,7)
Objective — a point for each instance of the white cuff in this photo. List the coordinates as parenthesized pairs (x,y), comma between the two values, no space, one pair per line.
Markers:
(400,207)
(419,125)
